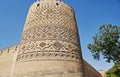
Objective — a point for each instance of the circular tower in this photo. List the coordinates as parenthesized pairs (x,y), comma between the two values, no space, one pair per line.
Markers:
(50,43)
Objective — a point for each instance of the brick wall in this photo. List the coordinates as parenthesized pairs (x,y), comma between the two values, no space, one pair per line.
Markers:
(6,61)
(89,71)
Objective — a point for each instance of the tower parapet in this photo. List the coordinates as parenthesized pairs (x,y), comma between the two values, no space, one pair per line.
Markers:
(9,50)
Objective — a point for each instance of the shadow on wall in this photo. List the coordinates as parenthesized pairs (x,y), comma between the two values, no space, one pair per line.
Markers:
(89,71)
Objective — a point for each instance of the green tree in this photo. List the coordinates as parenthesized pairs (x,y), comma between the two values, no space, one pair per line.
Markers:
(107,43)
(114,71)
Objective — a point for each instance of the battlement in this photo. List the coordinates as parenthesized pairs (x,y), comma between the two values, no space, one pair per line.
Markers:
(9,50)
(7,57)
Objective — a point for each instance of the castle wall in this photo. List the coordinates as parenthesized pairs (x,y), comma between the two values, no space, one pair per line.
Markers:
(6,61)
(49,47)
(89,71)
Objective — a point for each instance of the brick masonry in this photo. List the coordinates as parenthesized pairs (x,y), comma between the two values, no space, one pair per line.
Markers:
(49,46)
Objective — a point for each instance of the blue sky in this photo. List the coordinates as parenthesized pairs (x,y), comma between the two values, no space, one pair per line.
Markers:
(89,14)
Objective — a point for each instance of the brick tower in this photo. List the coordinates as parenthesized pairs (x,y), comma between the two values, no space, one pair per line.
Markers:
(50,43)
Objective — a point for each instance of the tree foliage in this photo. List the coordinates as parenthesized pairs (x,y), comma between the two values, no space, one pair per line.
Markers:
(114,71)
(107,43)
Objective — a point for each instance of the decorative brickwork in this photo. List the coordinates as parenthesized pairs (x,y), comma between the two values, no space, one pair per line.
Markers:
(51,32)
(49,49)
(52,13)
(49,46)
(49,55)
(50,36)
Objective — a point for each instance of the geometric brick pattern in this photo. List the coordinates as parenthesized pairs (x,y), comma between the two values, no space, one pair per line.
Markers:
(49,42)
(49,46)
(50,32)
(53,13)
(50,36)
(49,55)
